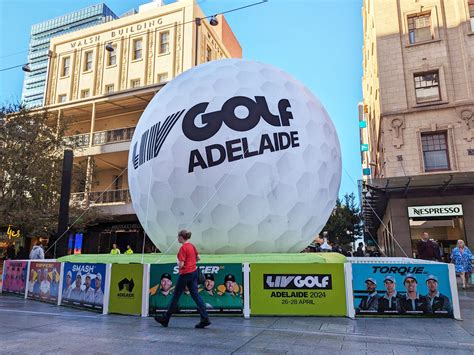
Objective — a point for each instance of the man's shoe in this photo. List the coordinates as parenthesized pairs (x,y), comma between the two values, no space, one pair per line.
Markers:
(203,323)
(162,320)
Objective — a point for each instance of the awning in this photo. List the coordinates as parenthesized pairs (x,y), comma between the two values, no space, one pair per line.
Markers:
(375,193)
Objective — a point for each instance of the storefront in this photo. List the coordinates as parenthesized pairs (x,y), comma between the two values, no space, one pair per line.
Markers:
(398,210)
(444,223)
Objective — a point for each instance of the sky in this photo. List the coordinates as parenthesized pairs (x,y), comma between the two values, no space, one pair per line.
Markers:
(318,42)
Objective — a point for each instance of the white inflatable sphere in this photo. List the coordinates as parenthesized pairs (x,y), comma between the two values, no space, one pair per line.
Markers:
(238,152)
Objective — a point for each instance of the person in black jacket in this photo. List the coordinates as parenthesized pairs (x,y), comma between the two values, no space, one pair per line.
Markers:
(413,302)
(440,304)
(369,303)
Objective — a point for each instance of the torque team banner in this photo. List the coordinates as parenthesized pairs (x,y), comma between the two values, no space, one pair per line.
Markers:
(402,289)
(14,277)
(83,285)
(298,289)
(44,280)
(222,291)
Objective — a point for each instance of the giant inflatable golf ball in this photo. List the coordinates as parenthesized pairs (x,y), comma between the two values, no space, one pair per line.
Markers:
(238,152)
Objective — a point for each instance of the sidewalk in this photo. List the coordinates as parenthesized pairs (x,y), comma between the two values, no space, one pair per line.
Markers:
(34,327)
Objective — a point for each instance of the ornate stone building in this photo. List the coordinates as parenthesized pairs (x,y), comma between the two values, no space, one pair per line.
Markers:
(100,80)
(417,122)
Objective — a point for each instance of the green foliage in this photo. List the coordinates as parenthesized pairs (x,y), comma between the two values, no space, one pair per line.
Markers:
(346,217)
(31,157)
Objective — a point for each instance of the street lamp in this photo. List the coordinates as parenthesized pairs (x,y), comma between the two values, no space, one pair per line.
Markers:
(109,47)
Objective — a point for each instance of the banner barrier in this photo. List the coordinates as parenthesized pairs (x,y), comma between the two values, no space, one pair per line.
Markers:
(43,281)
(126,287)
(297,289)
(421,289)
(83,285)
(14,277)
(363,287)
(222,291)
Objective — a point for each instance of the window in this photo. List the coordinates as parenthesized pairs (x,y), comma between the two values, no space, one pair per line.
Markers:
(62,98)
(137,49)
(135,83)
(208,54)
(112,56)
(85,93)
(109,88)
(419,28)
(427,87)
(471,15)
(164,42)
(88,61)
(435,151)
(65,66)
(162,78)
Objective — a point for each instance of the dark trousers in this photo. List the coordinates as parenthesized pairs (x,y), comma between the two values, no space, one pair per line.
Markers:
(190,280)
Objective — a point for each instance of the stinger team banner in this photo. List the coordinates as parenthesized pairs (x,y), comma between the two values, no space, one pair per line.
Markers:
(222,291)
(14,277)
(297,289)
(402,290)
(44,280)
(83,285)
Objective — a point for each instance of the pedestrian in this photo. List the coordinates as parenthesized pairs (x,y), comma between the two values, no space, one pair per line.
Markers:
(22,253)
(10,251)
(129,250)
(461,257)
(360,252)
(427,249)
(115,250)
(188,256)
(37,252)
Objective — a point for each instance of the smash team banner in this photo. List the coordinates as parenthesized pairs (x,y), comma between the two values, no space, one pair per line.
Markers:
(222,291)
(83,285)
(297,289)
(44,280)
(402,289)
(14,277)
(126,286)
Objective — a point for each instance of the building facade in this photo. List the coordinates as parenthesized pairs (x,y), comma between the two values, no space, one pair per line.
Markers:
(101,79)
(417,123)
(41,34)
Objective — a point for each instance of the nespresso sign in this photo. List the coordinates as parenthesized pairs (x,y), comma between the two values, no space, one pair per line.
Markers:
(435,211)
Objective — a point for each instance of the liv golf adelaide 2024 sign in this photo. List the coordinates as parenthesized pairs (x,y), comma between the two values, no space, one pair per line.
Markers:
(239,152)
(298,289)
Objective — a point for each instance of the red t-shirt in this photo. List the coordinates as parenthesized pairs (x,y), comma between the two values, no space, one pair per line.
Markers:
(188,254)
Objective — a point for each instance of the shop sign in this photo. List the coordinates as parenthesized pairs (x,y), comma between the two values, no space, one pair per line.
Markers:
(435,211)
(298,289)
(11,234)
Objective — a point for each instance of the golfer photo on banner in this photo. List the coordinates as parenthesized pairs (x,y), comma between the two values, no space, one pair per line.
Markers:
(43,282)
(83,285)
(221,291)
(402,290)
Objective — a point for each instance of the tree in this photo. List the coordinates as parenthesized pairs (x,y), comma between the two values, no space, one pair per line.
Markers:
(31,153)
(345,222)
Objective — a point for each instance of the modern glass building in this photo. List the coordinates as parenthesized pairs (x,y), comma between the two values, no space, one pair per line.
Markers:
(41,33)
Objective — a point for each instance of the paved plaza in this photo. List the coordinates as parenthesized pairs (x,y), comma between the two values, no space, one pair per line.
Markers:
(30,327)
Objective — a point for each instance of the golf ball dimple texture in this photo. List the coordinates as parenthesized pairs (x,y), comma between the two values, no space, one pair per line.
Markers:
(276,201)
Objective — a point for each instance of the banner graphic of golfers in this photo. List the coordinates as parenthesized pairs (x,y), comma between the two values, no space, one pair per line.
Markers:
(222,291)
(14,277)
(43,281)
(402,289)
(83,285)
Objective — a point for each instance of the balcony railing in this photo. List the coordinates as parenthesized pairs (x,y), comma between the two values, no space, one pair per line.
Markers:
(113,136)
(101,197)
(104,137)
